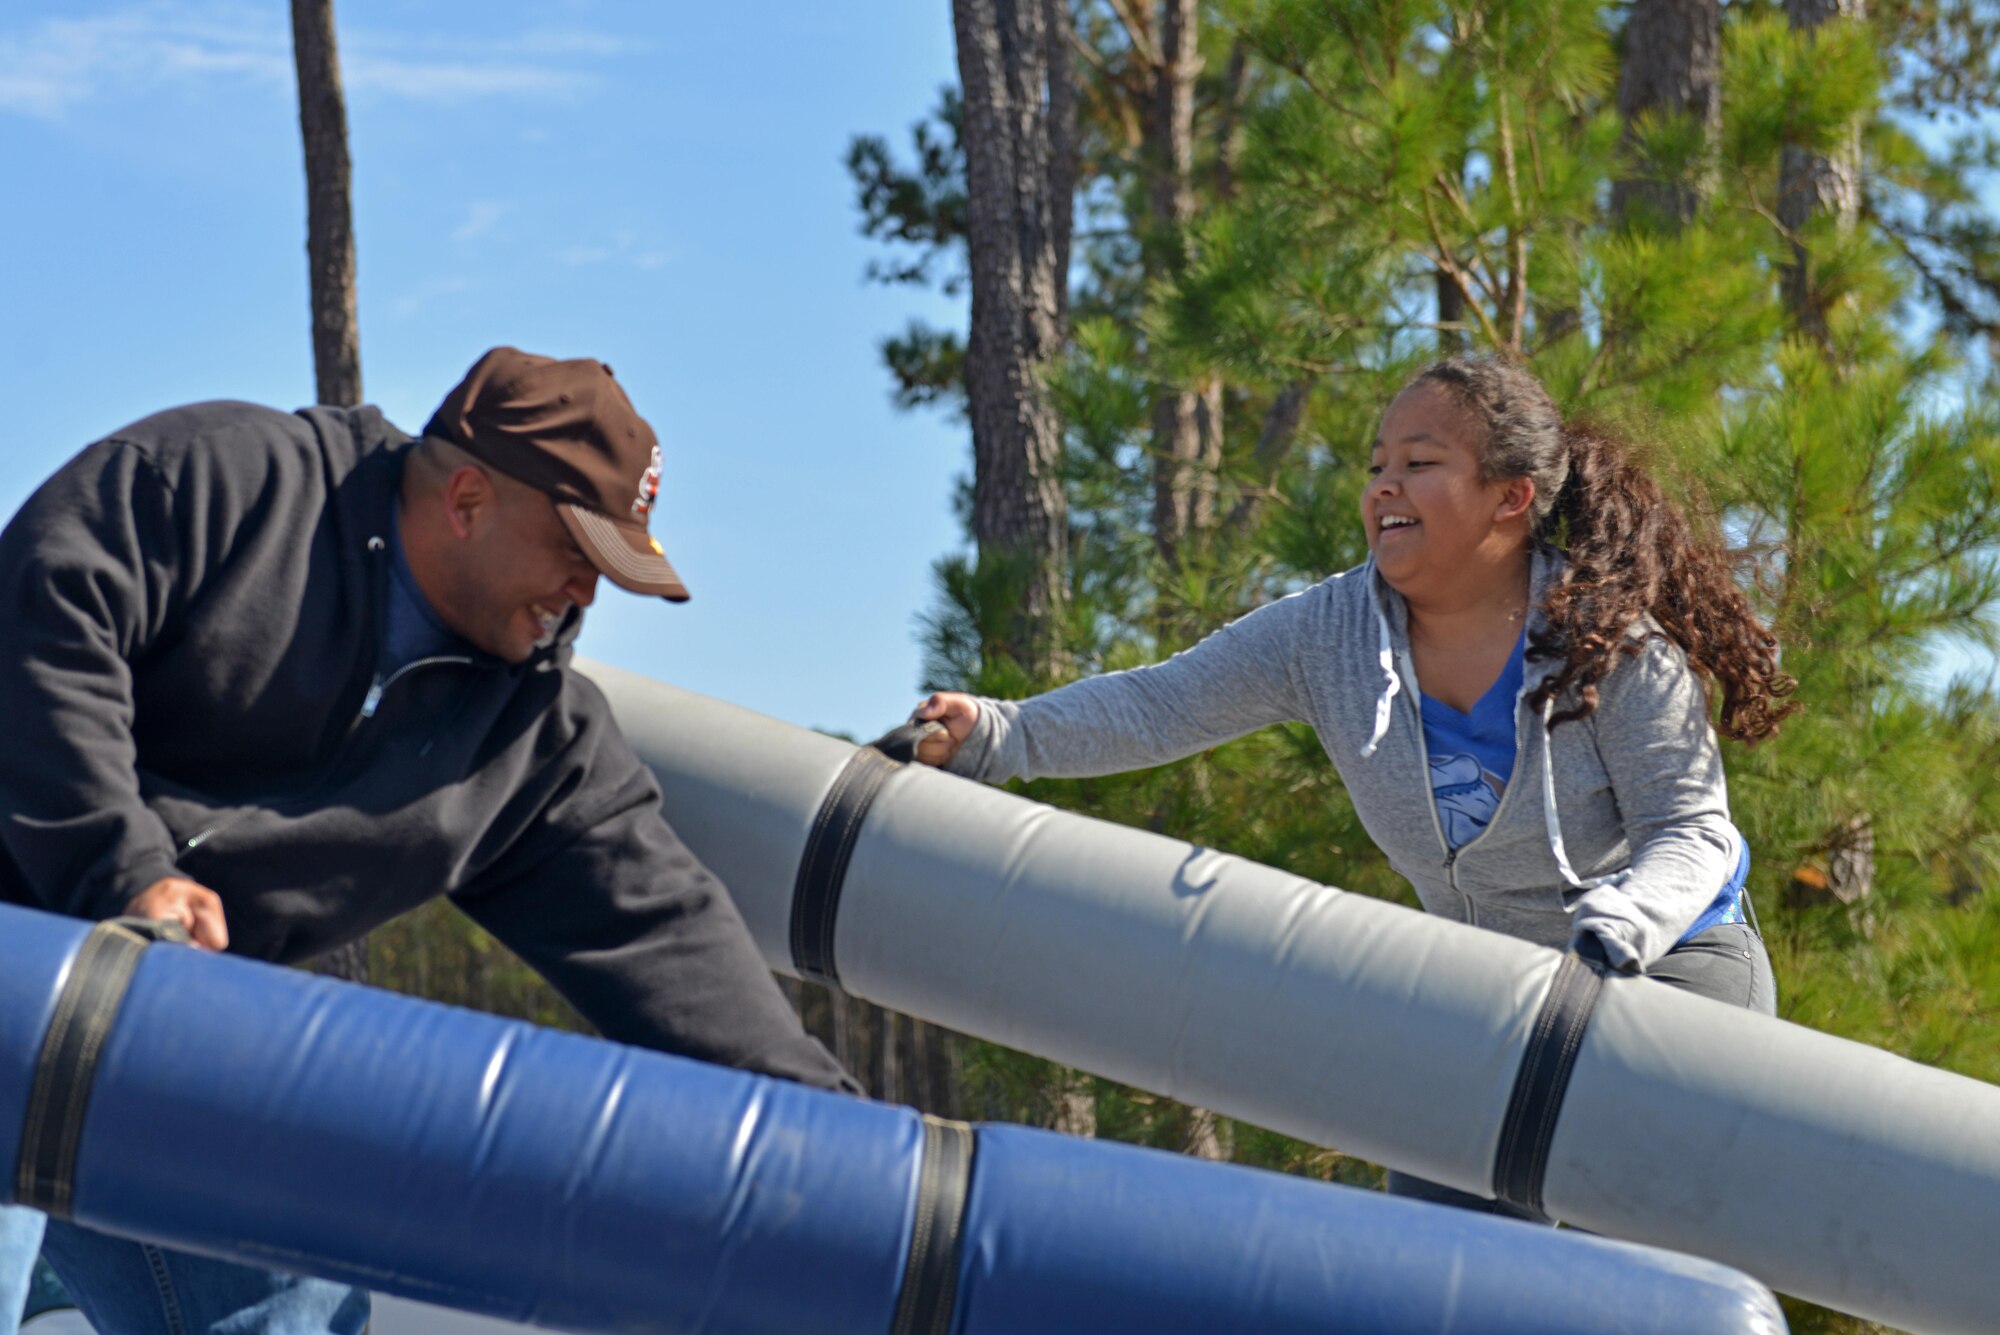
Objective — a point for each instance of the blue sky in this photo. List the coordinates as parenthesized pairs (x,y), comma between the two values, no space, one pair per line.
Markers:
(655,184)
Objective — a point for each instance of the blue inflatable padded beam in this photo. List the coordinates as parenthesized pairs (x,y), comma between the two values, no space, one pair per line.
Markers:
(279,1119)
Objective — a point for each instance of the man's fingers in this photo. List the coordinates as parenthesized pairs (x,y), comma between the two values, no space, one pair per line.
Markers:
(204,921)
(193,905)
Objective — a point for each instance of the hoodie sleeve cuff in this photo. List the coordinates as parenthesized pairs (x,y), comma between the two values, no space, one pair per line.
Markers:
(974,759)
(1600,941)
(110,894)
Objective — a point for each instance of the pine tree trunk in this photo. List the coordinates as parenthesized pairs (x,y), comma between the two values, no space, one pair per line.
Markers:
(896,1058)
(1453,338)
(1672,67)
(1451,312)
(1229,127)
(349,962)
(1019,109)
(1187,434)
(1811,185)
(1850,862)
(336,334)
(1274,442)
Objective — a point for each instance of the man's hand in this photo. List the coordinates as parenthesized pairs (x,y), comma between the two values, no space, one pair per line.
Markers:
(193,906)
(958,713)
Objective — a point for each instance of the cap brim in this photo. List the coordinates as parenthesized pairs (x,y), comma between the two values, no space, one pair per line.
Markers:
(625,554)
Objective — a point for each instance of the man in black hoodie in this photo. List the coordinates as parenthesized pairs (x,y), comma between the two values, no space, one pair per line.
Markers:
(283,676)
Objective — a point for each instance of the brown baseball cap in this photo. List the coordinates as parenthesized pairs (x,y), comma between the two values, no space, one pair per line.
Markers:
(567,429)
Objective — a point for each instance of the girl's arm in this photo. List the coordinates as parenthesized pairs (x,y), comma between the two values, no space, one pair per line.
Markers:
(1239,679)
(1656,742)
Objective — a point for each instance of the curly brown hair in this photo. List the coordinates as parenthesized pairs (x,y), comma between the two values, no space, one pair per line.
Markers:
(1631,552)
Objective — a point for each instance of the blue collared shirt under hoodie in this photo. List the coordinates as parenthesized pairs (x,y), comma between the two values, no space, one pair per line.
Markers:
(411,628)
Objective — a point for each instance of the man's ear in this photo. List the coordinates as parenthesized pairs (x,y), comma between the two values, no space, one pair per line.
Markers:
(468,499)
(1516,499)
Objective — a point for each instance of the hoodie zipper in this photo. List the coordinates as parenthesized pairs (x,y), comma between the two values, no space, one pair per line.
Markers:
(371,701)
(1452,855)
(370,704)
(1409,671)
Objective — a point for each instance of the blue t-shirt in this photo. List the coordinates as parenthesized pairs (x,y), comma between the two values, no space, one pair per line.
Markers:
(1472,755)
(1472,758)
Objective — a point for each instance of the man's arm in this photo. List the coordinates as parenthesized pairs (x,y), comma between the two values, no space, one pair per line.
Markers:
(90,574)
(642,939)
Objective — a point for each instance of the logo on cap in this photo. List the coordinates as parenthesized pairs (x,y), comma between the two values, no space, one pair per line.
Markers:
(649,488)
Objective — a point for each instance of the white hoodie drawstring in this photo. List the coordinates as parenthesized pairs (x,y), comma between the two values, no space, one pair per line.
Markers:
(1554,820)
(1391,683)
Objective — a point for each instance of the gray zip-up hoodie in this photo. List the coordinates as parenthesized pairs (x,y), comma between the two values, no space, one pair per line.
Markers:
(1616,824)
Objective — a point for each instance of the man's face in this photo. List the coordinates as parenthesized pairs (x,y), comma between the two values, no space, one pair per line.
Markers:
(517,574)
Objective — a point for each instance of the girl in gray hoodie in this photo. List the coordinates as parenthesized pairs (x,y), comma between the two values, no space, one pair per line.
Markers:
(1515,688)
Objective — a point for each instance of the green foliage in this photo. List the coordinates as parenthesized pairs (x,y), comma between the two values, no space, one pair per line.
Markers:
(922,207)
(928,365)
(1788,88)
(1382,181)
(1943,54)
(1413,177)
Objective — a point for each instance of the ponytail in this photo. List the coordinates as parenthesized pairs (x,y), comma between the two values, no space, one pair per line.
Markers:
(1632,555)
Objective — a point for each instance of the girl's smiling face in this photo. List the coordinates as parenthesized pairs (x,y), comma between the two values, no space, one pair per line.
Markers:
(1432,518)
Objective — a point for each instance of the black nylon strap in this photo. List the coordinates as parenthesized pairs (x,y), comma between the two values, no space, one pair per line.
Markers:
(1530,1127)
(836,826)
(930,1277)
(900,743)
(46,1174)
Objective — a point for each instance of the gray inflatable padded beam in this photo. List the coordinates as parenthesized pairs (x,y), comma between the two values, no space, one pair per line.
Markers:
(1846,1175)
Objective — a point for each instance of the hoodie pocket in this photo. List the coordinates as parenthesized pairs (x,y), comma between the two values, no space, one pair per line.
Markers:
(192,818)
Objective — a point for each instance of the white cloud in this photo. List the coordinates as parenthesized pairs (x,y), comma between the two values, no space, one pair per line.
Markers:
(48,69)
(626,248)
(417,300)
(59,64)
(480,217)
(571,42)
(454,81)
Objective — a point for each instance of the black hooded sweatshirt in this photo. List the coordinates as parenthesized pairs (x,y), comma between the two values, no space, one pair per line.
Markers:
(191,617)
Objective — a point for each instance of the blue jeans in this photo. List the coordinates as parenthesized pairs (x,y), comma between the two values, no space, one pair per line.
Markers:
(134,1288)
(1725,963)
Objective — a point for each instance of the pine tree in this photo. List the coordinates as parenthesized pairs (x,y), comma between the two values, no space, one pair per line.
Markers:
(1019,112)
(1375,183)
(336,335)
